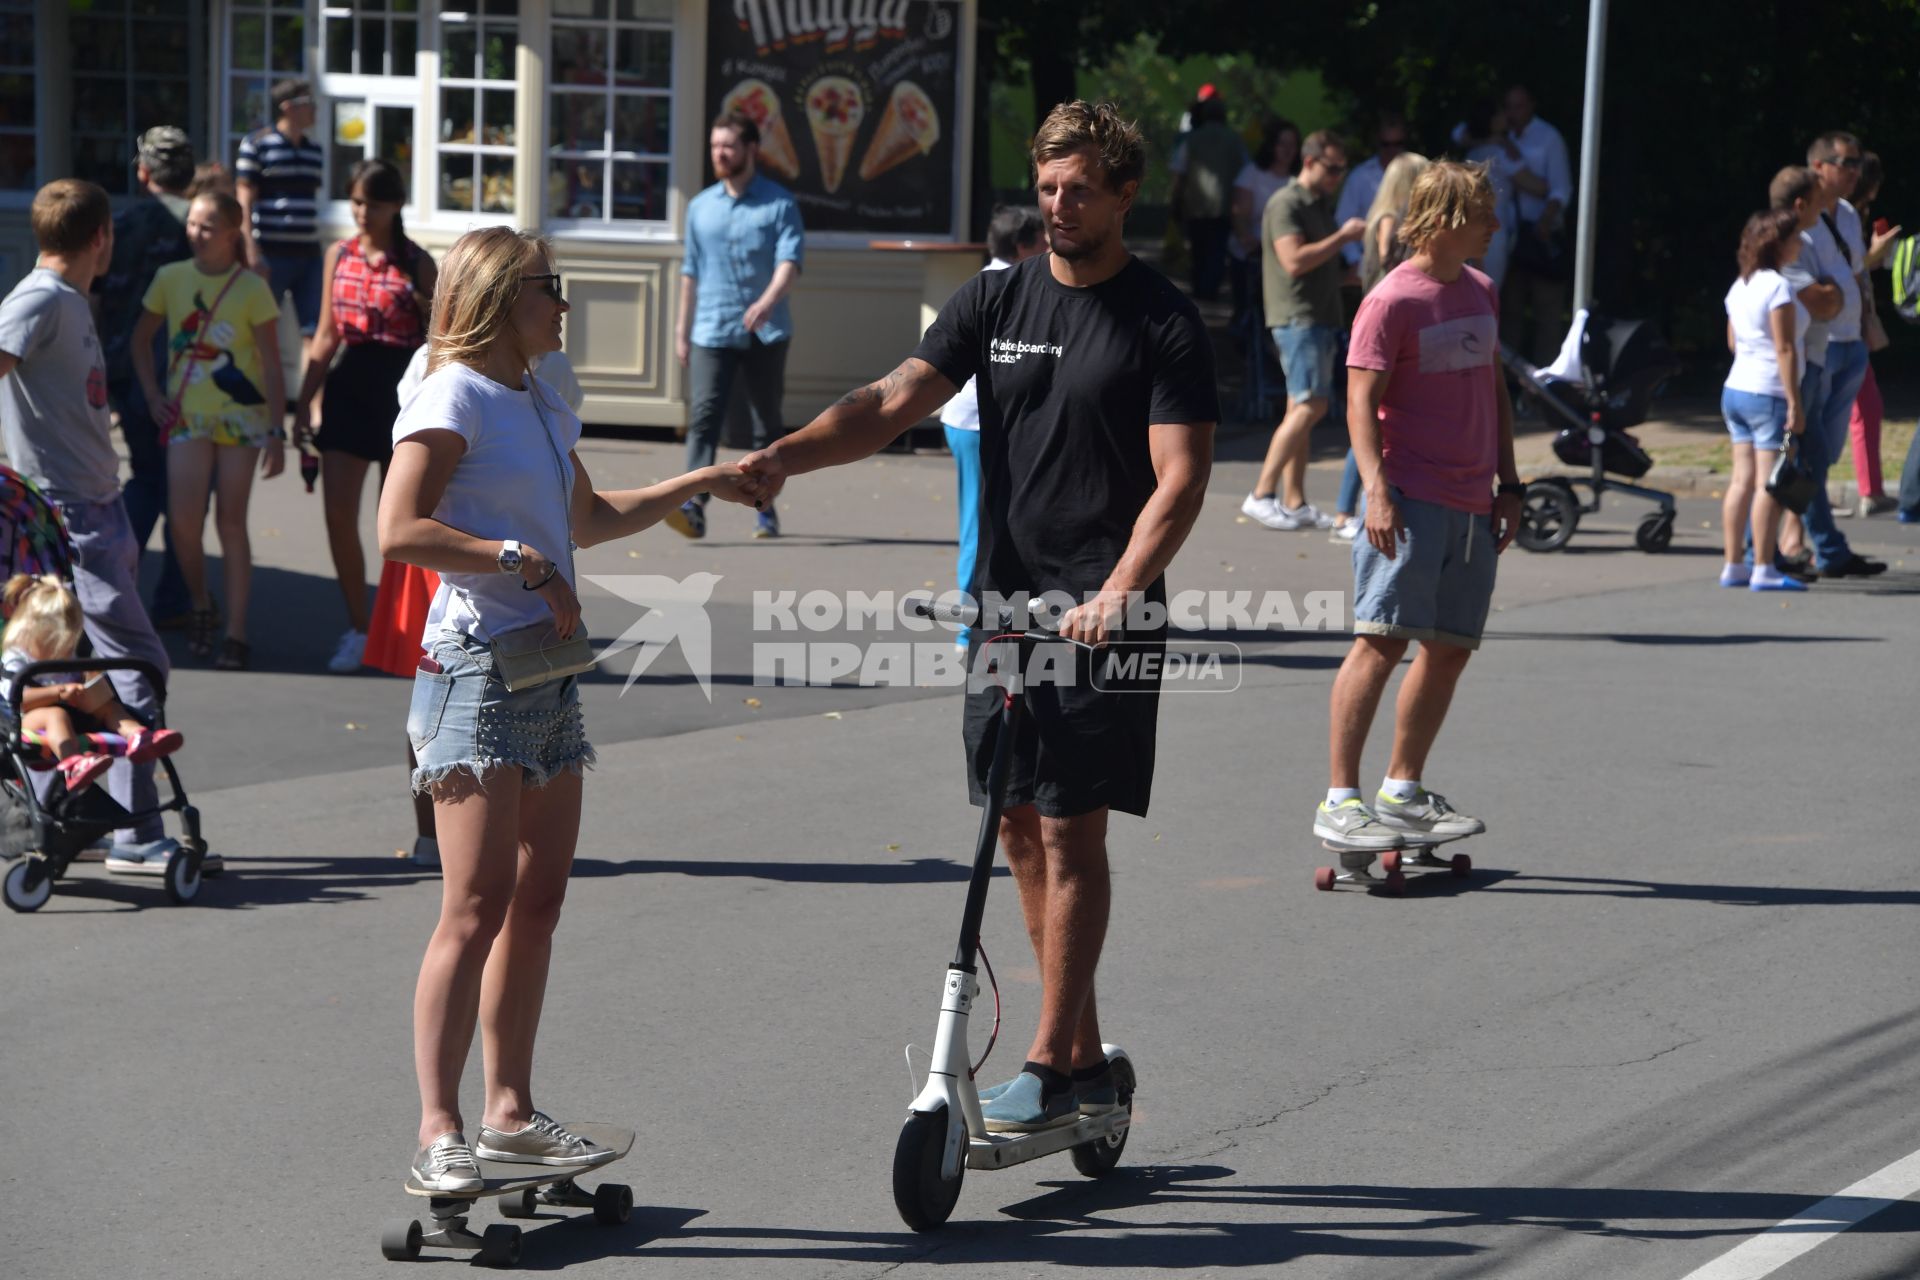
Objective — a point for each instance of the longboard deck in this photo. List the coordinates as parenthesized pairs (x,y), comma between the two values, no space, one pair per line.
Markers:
(1411,840)
(502,1178)
(1409,860)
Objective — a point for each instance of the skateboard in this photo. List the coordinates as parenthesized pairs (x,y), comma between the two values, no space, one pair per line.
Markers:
(1415,853)
(522,1189)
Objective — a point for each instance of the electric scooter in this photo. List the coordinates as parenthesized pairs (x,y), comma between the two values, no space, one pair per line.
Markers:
(944,1134)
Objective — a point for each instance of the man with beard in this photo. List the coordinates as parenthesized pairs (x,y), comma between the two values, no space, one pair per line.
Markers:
(1097,409)
(744,243)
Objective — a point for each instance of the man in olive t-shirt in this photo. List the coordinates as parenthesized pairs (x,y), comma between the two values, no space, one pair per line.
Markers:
(1300,277)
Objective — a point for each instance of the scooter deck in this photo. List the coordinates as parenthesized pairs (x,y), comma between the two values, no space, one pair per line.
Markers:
(503,1178)
(1414,854)
(1000,1150)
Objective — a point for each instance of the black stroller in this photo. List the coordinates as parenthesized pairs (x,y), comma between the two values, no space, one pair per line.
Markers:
(1622,365)
(43,830)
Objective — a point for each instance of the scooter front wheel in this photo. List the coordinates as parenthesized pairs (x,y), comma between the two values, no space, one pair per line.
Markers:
(924,1198)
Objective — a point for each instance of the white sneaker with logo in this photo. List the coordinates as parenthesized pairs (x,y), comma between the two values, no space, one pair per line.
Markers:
(1268,512)
(1308,516)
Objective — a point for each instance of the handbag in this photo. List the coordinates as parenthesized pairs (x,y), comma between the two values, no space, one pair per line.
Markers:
(1791,483)
(528,657)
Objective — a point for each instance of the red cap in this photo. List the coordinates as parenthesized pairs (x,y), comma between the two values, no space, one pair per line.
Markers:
(1207,91)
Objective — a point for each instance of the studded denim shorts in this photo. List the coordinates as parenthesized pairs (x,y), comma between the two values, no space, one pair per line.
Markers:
(461,717)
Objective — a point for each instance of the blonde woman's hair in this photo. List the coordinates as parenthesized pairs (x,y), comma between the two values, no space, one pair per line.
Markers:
(479,283)
(1446,195)
(1390,201)
(43,617)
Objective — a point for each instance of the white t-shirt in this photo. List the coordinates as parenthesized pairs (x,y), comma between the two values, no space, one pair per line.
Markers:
(1356,198)
(962,413)
(553,368)
(1262,183)
(1750,307)
(1822,258)
(514,481)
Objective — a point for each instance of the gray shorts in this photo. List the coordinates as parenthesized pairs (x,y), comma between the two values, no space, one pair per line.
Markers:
(1440,584)
(463,718)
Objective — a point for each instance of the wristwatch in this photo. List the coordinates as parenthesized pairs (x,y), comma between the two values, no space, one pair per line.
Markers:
(509,556)
(1516,489)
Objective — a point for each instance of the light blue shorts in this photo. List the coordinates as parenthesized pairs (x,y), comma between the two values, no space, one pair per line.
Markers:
(1755,419)
(463,718)
(1306,354)
(1440,584)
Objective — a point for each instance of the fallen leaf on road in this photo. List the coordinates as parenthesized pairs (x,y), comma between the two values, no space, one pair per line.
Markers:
(350,725)
(633,555)
(893,848)
(752,702)
(928,583)
(832,715)
(1239,519)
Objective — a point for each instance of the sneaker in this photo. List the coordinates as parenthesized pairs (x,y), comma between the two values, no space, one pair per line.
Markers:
(145,745)
(1855,566)
(1345,531)
(149,859)
(1774,580)
(1426,812)
(993,1091)
(1352,825)
(1267,511)
(78,772)
(1097,1096)
(1024,1108)
(689,520)
(1876,504)
(1308,516)
(346,657)
(1736,575)
(541,1142)
(95,852)
(446,1164)
(1909,515)
(767,525)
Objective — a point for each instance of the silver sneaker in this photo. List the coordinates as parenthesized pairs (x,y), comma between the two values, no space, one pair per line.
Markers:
(541,1142)
(1308,516)
(1350,825)
(447,1164)
(1427,812)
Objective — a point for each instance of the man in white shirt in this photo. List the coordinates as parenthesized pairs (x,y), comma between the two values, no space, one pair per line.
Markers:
(1363,184)
(1539,270)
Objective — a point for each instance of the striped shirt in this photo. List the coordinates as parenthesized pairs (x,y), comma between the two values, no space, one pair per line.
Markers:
(286,179)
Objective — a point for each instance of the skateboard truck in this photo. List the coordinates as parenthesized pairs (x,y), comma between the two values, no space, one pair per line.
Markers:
(1356,865)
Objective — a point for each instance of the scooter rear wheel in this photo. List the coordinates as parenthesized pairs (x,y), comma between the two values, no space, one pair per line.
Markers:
(924,1198)
(1096,1159)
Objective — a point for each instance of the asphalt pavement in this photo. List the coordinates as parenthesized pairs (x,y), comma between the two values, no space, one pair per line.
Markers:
(1675,1006)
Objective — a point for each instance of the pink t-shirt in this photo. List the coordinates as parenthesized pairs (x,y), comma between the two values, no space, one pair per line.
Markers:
(1439,346)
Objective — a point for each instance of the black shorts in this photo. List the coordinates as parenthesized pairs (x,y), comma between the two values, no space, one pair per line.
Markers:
(1077,747)
(362,401)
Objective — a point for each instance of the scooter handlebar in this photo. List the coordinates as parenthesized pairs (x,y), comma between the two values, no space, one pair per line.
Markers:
(1040,616)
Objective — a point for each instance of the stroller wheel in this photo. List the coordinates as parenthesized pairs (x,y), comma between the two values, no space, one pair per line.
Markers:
(1655,533)
(27,885)
(183,875)
(1548,516)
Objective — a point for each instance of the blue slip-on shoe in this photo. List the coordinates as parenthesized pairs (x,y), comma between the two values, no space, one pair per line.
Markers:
(1024,1108)
(689,519)
(149,859)
(1098,1096)
(767,525)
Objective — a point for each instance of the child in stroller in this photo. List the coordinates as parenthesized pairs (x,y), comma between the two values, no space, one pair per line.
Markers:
(44,625)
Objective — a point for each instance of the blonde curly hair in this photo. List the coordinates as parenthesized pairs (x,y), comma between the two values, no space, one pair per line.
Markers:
(1447,194)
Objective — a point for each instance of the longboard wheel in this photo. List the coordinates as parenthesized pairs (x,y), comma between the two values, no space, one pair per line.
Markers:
(1390,861)
(521,1204)
(1462,865)
(1323,878)
(1396,883)
(612,1203)
(400,1240)
(500,1246)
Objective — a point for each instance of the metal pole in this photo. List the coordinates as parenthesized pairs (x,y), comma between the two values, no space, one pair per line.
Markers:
(1590,154)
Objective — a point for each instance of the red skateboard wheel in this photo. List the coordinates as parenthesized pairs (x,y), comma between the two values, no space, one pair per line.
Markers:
(1462,864)
(1323,878)
(1390,861)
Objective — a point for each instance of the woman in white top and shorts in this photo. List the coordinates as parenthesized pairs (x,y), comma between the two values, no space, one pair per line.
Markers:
(1766,331)
(485,489)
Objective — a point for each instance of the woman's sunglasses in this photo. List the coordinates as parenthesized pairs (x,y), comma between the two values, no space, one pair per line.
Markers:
(552,286)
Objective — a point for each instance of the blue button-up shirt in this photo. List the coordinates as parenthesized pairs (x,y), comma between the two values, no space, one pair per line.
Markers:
(733,245)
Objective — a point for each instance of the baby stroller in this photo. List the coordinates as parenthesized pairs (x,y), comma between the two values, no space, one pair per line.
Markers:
(1603,382)
(44,828)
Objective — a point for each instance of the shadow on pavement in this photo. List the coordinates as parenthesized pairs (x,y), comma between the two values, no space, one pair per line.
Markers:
(1675,638)
(916,871)
(1729,895)
(247,883)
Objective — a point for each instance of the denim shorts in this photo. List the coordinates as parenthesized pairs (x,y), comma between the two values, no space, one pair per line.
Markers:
(1753,418)
(299,274)
(461,717)
(1306,354)
(1438,586)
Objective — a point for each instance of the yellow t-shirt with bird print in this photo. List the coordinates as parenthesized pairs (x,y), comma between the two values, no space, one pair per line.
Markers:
(213,364)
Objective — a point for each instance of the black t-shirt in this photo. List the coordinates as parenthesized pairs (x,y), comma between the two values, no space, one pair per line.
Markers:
(1069,381)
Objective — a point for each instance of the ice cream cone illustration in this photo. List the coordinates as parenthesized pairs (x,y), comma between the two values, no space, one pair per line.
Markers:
(756,100)
(910,127)
(835,107)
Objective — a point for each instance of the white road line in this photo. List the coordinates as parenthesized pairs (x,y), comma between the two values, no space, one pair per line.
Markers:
(1780,1244)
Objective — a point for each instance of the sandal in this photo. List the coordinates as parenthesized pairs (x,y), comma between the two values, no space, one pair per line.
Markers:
(146,745)
(235,655)
(202,626)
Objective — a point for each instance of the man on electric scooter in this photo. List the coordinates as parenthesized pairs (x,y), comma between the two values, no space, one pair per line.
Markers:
(1097,410)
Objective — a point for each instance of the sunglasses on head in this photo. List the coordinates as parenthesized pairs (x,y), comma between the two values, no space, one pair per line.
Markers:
(1845,162)
(551,287)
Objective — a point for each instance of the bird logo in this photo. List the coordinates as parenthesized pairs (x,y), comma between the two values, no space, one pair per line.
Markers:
(675,610)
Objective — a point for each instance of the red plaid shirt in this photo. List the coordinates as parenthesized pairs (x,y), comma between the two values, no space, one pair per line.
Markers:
(374,304)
